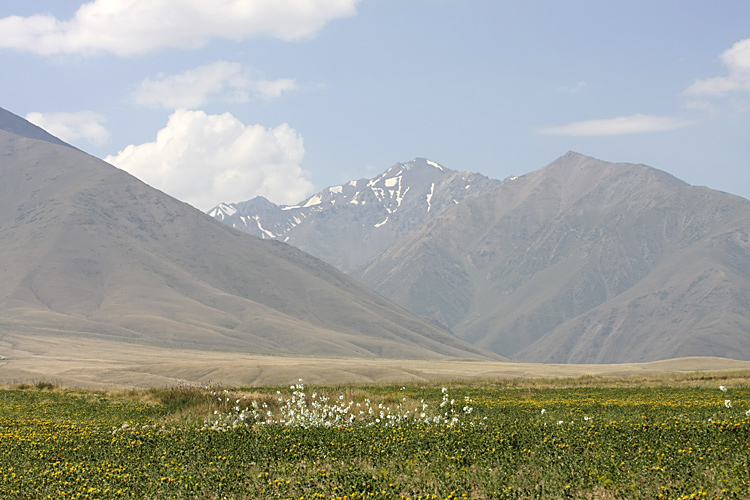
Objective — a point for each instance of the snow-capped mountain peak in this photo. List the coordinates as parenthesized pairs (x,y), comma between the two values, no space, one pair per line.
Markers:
(346,224)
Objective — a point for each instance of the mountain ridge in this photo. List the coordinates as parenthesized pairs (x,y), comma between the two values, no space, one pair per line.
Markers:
(18,126)
(87,249)
(525,269)
(346,224)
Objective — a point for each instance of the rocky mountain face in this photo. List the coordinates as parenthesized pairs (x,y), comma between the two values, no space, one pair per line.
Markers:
(582,261)
(88,250)
(348,224)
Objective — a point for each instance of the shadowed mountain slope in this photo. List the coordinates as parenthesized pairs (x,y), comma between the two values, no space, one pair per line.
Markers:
(582,261)
(87,249)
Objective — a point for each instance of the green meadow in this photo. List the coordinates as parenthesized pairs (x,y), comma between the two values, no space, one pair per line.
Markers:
(685,437)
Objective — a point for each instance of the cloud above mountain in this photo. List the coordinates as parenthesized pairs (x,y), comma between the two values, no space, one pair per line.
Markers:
(130,27)
(225,81)
(737,79)
(70,127)
(633,124)
(204,159)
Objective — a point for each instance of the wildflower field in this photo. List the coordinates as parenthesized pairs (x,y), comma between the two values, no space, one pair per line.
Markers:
(589,439)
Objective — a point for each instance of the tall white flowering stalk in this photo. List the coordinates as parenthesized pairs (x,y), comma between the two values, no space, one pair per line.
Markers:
(297,410)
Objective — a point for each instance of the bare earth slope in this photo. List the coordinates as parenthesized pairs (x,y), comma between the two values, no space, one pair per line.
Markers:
(582,261)
(87,249)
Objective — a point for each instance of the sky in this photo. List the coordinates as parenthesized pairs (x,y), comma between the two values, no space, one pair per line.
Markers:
(224,100)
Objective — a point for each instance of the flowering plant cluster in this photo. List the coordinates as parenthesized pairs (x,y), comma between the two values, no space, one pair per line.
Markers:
(318,410)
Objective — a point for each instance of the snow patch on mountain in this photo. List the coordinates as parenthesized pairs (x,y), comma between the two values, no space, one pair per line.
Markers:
(222,211)
(379,193)
(338,223)
(401,196)
(264,231)
(315,200)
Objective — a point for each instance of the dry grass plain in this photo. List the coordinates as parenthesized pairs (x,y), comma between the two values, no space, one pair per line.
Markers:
(97,364)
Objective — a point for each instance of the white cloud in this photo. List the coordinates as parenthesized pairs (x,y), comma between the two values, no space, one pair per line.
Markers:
(128,27)
(270,89)
(207,159)
(226,81)
(701,105)
(575,88)
(737,61)
(73,126)
(634,124)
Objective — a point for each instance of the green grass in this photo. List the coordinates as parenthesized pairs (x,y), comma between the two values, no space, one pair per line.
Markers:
(669,437)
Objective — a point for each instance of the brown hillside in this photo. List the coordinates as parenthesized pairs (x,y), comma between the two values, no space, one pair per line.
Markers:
(86,249)
(583,261)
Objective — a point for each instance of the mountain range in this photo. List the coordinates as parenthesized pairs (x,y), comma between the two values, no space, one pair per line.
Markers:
(581,261)
(346,225)
(88,250)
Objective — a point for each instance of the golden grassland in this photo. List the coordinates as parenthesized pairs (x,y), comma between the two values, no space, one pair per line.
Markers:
(99,364)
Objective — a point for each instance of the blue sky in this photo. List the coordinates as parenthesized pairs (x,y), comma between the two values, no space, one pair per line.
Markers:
(224,100)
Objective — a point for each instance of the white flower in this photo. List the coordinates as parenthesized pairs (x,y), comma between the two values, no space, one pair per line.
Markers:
(544,411)
(727,403)
(724,389)
(747,413)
